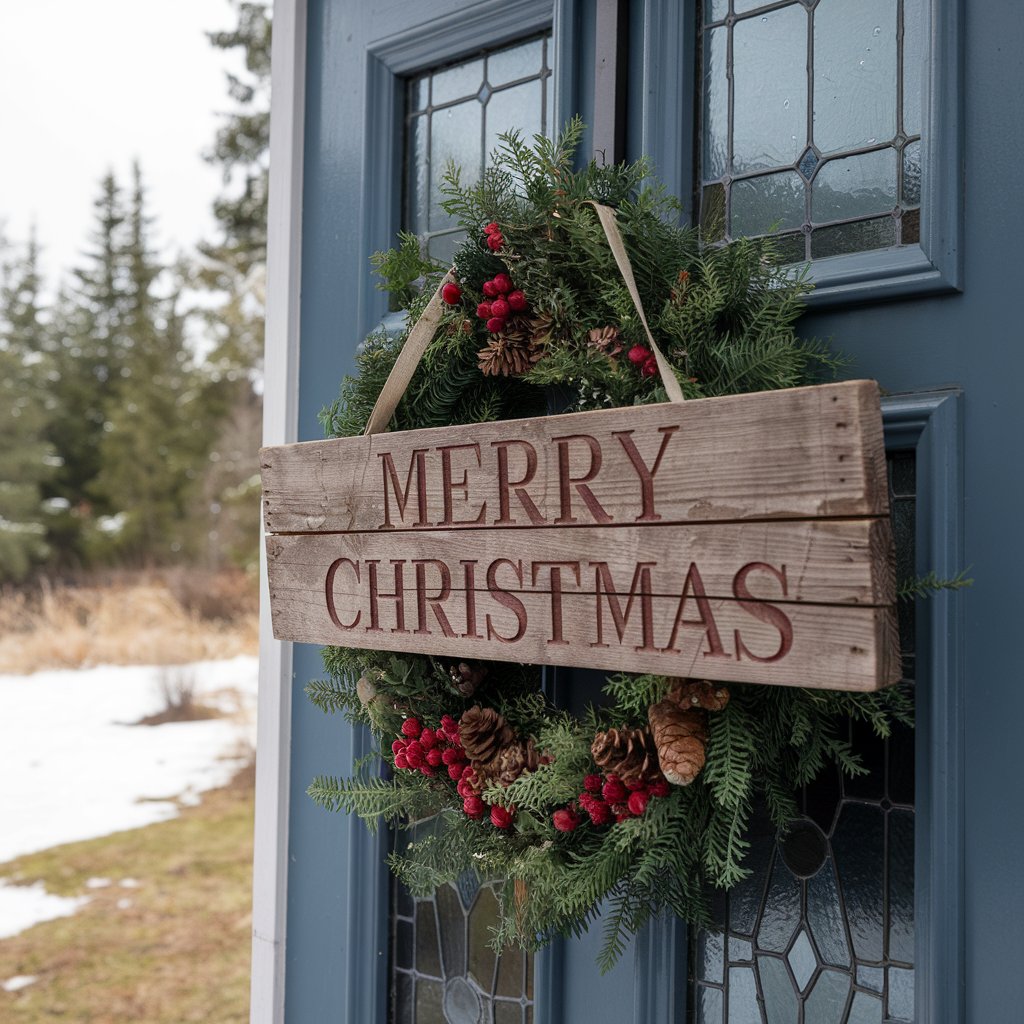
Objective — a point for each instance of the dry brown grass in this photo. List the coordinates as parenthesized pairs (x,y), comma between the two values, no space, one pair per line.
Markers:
(170,619)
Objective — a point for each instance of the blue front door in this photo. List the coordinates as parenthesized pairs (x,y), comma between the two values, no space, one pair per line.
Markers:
(851,131)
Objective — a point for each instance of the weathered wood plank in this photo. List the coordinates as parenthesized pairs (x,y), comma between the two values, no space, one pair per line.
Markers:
(810,645)
(831,561)
(799,453)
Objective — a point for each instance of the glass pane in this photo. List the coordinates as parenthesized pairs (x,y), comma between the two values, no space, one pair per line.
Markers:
(859,845)
(791,248)
(901,994)
(712,212)
(855,186)
(770,89)
(827,1002)
(913,65)
(715,10)
(780,1001)
(859,237)
(710,951)
(802,960)
(854,73)
(865,1009)
(709,1005)
(519,106)
(429,1002)
(912,174)
(428,959)
(516,62)
(455,134)
(772,202)
(910,229)
(458,82)
(716,103)
(781,915)
(418,173)
(825,917)
(901,889)
(742,1006)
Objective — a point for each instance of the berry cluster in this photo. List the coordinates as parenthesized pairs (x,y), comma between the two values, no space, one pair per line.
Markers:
(501,300)
(609,799)
(495,239)
(428,751)
(642,357)
(425,750)
(451,293)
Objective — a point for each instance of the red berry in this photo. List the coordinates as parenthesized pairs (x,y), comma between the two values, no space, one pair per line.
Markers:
(433,757)
(566,820)
(600,813)
(592,783)
(401,761)
(397,746)
(613,790)
(474,807)
(449,725)
(659,788)
(500,308)
(414,755)
(504,282)
(484,311)
(451,756)
(637,803)
(428,739)
(411,727)
(495,241)
(490,289)
(490,229)
(636,787)
(501,817)
(622,816)
(465,788)
(451,293)
(426,770)
(495,325)
(638,355)
(467,771)
(650,368)
(517,300)
(455,772)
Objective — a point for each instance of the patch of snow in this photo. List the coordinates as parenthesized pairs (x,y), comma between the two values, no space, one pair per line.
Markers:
(123,904)
(22,906)
(129,883)
(80,768)
(18,982)
(97,883)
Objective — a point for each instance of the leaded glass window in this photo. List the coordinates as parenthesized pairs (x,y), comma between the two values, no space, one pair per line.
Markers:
(822,931)
(811,123)
(444,969)
(456,113)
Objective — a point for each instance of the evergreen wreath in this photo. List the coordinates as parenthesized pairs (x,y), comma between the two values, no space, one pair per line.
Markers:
(642,805)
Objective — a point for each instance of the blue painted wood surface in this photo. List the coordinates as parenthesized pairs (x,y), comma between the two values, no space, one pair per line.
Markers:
(973,927)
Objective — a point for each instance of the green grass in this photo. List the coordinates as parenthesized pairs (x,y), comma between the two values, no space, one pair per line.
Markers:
(178,953)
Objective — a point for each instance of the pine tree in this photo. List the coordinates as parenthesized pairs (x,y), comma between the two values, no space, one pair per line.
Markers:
(26,457)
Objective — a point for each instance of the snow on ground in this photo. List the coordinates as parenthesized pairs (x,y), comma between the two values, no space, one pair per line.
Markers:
(73,766)
(22,906)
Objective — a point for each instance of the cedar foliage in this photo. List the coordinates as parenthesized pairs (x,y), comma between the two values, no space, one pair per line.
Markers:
(725,316)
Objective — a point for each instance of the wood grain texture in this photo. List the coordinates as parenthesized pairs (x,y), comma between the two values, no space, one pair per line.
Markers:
(799,453)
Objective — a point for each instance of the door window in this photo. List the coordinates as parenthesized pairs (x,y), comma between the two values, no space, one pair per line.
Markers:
(811,124)
(822,931)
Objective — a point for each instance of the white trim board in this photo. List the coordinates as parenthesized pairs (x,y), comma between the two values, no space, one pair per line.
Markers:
(280,426)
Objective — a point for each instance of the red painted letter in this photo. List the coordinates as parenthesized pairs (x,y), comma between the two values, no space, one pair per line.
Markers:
(762,611)
(417,467)
(647,513)
(565,478)
(506,600)
(329,592)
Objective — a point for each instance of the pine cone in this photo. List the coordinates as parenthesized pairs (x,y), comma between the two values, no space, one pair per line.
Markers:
(467,676)
(606,341)
(680,735)
(628,753)
(484,733)
(698,693)
(513,351)
(509,764)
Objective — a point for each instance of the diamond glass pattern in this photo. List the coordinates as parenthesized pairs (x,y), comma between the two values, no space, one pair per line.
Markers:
(811,124)
(835,946)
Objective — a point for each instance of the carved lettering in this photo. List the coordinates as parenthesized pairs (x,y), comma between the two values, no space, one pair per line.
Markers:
(332,610)
(417,469)
(469,586)
(519,486)
(506,600)
(565,479)
(694,587)
(448,485)
(647,513)
(605,587)
(398,596)
(555,579)
(763,612)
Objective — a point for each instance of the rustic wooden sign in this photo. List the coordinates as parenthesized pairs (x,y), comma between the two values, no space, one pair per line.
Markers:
(741,539)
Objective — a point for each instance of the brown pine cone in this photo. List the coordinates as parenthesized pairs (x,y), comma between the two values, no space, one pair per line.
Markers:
(698,693)
(484,733)
(467,676)
(628,753)
(605,340)
(509,763)
(680,735)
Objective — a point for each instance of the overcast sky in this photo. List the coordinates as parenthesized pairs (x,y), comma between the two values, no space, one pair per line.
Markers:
(87,86)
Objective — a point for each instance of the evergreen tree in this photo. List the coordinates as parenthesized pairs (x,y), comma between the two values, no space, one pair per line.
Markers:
(26,457)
